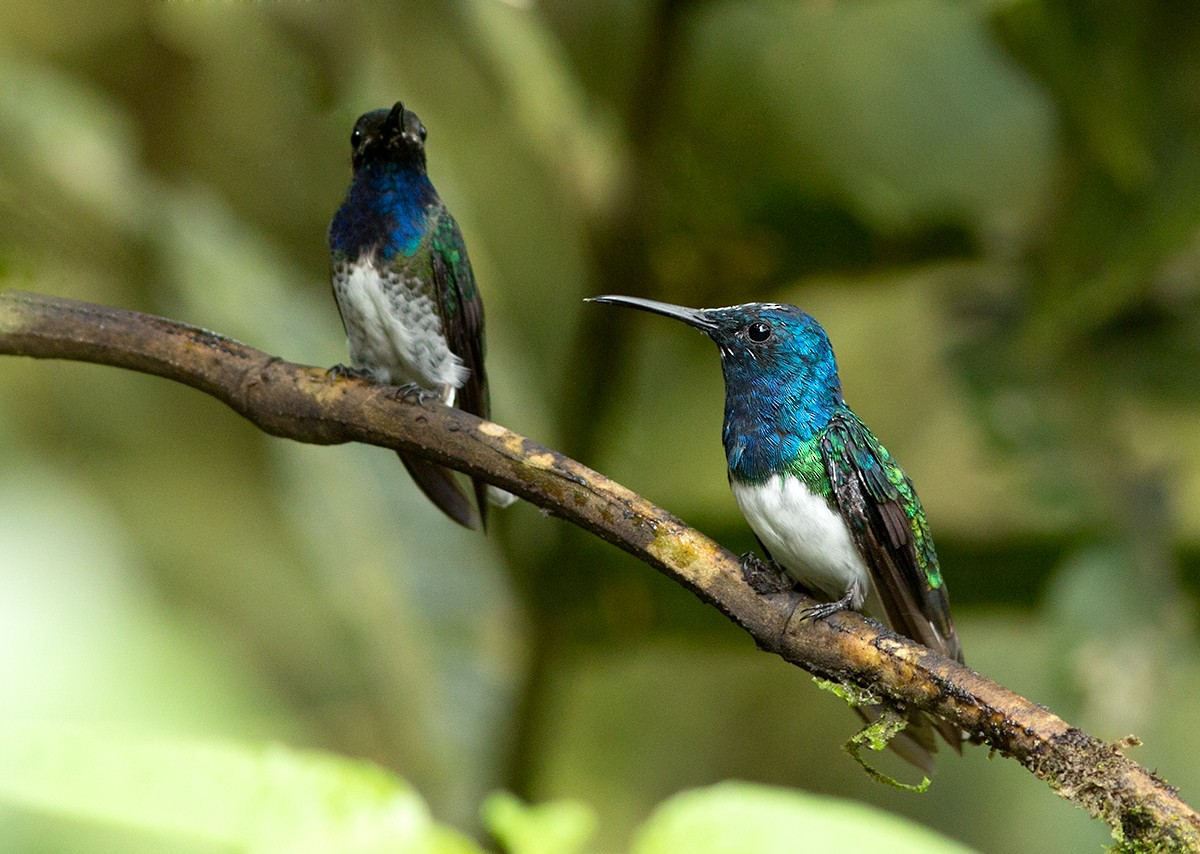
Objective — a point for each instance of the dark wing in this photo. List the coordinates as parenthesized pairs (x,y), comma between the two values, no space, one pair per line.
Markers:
(889,529)
(461,310)
(337,269)
(462,321)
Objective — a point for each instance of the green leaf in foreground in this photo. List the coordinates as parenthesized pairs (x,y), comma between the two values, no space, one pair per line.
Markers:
(741,818)
(559,827)
(256,799)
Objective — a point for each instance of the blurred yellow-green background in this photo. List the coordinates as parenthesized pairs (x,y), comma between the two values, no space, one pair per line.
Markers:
(992,207)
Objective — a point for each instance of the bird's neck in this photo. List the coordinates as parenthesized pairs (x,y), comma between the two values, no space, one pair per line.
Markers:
(386,212)
(773,419)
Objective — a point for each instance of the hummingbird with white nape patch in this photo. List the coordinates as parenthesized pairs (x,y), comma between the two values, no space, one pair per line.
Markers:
(826,500)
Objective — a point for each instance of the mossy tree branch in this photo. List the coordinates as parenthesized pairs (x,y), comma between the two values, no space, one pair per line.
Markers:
(307,404)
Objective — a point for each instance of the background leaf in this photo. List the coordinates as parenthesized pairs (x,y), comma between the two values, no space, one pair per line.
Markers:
(739,817)
(263,800)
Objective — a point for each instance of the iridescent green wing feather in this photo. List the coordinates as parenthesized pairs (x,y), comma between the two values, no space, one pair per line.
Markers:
(889,529)
(461,309)
(888,526)
(462,322)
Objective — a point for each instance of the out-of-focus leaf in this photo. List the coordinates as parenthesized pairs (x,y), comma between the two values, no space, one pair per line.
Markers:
(740,818)
(261,800)
(558,827)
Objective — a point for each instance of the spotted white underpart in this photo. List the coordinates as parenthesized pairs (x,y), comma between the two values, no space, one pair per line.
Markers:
(394,329)
(804,536)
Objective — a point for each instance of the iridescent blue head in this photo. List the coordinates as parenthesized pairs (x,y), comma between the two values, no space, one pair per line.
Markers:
(385,208)
(781,379)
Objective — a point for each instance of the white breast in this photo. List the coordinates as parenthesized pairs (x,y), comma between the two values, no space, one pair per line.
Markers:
(395,331)
(804,536)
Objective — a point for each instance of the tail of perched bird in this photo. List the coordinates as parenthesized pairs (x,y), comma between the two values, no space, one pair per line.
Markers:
(442,488)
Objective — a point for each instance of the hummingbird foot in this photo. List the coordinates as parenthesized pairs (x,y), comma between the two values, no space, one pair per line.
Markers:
(765,578)
(342,372)
(828,609)
(413,393)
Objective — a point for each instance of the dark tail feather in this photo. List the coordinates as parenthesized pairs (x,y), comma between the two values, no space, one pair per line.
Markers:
(442,489)
(952,734)
(481,502)
(906,617)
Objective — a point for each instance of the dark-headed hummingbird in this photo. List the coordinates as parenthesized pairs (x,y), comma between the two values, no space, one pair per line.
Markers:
(405,289)
(826,500)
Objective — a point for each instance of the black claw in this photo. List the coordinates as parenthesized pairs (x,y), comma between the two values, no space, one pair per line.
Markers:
(413,393)
(827,609)
(342,372)
(765,578)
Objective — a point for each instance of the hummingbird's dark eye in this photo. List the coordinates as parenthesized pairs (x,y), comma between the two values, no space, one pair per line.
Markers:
(355,138)
(758,331)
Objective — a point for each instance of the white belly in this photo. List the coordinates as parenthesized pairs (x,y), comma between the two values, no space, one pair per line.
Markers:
(394,330)
(804,536)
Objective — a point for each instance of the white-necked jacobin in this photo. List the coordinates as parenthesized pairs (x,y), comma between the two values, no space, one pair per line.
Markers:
(405,289)
(826,500)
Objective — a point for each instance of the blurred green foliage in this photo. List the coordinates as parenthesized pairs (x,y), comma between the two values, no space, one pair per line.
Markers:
(219,796)
(992,207)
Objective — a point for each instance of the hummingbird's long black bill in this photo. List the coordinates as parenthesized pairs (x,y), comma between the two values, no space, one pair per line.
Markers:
(696,317)
(395,118)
